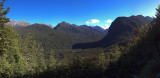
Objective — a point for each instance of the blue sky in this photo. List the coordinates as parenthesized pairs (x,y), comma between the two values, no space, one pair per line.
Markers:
(80,12)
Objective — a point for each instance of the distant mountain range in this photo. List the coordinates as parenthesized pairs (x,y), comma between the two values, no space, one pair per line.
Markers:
(23,23)
(67,36)
(63,23)
(18,23)
(119,30)
(62,36)
(67,27)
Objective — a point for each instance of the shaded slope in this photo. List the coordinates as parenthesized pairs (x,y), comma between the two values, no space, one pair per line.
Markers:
(119,30)
(141,55)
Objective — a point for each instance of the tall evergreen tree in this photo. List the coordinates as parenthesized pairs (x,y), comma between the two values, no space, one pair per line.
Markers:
(158,12)
(33,54)
(3,18)
(9,52)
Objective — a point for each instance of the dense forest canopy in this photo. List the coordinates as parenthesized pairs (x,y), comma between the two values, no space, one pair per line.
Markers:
(40,51)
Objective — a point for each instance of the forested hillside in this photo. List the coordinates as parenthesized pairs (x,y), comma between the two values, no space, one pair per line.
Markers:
(119,30)
(33,51)
(140,54)
(63,36)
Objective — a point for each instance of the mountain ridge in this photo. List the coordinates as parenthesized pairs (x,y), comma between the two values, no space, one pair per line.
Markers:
(18,23)
(119,30)
(63,36)
(63,23)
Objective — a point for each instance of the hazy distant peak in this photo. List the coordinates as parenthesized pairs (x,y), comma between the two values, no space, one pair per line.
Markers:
(98,27)
(64,23)
(137,16)
(49,25)
(18,23)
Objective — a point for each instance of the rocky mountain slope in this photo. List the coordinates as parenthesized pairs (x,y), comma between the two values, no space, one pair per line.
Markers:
(119,30)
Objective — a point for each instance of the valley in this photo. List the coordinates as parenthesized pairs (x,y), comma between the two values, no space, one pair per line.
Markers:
(127,47)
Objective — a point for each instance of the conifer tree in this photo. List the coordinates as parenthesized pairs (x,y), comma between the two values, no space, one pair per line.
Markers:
(156,26)
(3,13)
(51,62)
(158,12)
(3,20)
(9,52)
(33,54)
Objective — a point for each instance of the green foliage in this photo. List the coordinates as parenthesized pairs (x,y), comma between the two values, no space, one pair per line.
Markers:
(3,12)
(103,61)
(51,62)
(63,36)
(140,55)
(33,54)
(10,55)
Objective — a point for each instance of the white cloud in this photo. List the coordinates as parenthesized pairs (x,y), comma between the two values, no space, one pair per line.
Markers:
(106,26)
(109,21)
(93,21)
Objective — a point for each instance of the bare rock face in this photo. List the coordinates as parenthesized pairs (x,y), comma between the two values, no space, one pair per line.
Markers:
(18,23)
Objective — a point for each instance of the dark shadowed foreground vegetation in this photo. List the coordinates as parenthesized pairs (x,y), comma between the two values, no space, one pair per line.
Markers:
(134,57)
